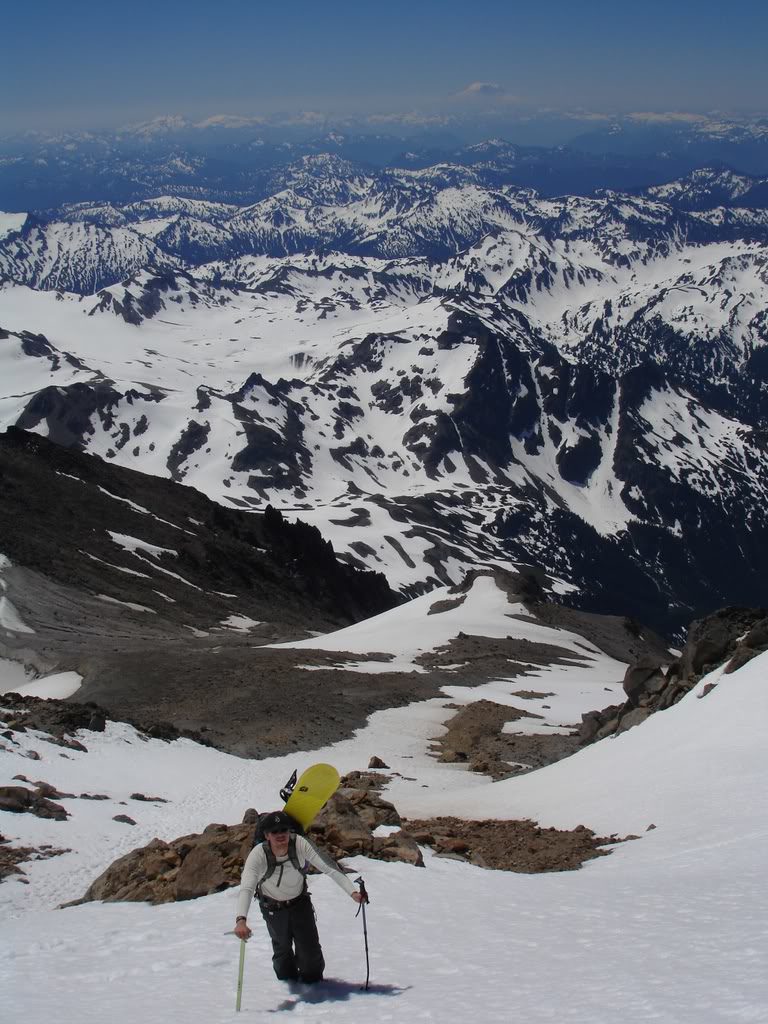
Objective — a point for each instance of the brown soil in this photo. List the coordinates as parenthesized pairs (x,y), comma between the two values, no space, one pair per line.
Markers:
(509,845)
(474,737)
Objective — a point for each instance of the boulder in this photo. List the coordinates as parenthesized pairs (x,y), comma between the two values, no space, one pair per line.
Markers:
(190,866)
(643,681)
(201,872)
(49,792)
(714,639)
(372,808)
(364,780)
(19,800)
(342,829)
(732,635)
(398,846)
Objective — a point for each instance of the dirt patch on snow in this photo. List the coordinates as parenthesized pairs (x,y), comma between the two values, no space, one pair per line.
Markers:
(474,736)
(509,845)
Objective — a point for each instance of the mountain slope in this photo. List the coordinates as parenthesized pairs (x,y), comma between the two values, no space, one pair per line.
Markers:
(578,383)
(696,772)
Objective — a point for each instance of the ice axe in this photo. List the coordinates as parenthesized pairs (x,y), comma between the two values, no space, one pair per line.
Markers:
(364,894)
(240,974)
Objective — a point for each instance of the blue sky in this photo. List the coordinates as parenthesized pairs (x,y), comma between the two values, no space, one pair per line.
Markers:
(80,63)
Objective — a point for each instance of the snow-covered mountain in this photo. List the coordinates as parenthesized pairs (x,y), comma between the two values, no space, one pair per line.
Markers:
(236,158)
(434,372)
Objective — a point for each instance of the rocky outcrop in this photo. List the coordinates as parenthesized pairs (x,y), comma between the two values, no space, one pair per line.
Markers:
(345,827)
(510,845)
(12,857)
(474,737)
(20,800)
(56,717)
(161,872)
(204,863)
(731,636)
(59,718)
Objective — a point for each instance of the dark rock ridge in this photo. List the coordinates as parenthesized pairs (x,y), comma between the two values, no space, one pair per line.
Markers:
(732,636)
(59,719)
(61,508)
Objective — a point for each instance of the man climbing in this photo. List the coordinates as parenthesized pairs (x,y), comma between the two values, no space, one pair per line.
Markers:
(275,871)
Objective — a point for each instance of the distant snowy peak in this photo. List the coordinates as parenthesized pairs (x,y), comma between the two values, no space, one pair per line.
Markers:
(325,203)
(11,223)
(710,187)
(165,125)
(73,256)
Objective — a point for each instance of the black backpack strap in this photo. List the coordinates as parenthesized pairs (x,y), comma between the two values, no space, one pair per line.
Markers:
(271,865)
(293,857)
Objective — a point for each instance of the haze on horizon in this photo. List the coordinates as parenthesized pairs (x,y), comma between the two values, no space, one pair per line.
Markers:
(91,66)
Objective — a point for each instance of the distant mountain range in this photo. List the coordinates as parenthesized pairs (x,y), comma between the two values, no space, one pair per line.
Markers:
(237,159)
(436,372)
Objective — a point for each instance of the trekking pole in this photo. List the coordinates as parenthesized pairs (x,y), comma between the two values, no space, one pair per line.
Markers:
(364,894)
(240,974)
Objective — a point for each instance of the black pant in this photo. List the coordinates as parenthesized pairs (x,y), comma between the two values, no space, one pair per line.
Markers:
(294,926)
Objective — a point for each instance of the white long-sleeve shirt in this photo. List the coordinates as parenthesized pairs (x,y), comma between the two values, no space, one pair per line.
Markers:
(285,882)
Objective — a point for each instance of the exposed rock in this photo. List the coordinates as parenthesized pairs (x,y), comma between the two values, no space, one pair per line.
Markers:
(124,819)
(398,846)
(56,717)
(19,800)
(49,792)
(12,856)
(510,845)
(68,742)
(201,871)
(722,636)
(342,829)
(149,799)
(376,762)
(474,737)
(732,635)
(643,681)
(364,780)
(158,872)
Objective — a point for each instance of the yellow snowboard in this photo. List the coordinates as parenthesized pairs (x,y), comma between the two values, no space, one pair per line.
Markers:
(312,791)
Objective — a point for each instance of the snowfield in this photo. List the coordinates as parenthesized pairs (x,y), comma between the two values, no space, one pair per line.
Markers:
(671,928)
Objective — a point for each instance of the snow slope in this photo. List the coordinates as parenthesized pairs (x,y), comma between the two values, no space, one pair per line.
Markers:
(670,928)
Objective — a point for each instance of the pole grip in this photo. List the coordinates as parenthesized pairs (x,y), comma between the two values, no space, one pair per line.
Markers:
(363,891)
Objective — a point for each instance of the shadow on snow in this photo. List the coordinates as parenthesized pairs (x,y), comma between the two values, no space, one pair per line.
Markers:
(332,990)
